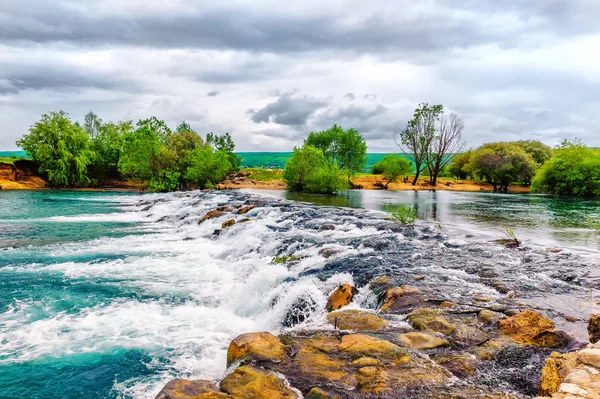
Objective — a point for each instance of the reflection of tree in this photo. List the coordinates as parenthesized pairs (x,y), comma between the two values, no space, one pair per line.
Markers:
(348,199)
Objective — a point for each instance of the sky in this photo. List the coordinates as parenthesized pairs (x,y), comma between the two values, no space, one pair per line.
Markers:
(270,72)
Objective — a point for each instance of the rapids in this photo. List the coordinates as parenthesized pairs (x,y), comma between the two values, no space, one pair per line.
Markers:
(112,295)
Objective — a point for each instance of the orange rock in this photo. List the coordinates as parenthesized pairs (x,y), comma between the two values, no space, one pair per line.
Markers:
(246,209)
(258,345)
(531,328)
(393,295)
(248,382)
(357,320)
(341,297)
(186,389)
(210,215)
(228,223)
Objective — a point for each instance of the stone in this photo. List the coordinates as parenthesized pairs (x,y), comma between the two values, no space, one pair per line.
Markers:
(367,345)
(573,389)
(418,277)
(489,317)
(594,328)
(590,356)
(225,208)
(188,389)
(365,361)
(327,227)
(318,393)
(211,215)
(249,382)
(380,284)
(447,304)
(401,298)
(420,340)
(329,252)
(461,366)
(356,320)
(228,223)
(531,328)
(482,299)
(258,345)
(341,297)
(578,377)
(430,320)
(246,209)
(550,379)
(245,220)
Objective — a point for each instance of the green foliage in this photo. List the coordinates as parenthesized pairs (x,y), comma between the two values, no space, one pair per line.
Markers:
(510,239)
(403,214)
(181,145)
(157,126)
(393,167)
(574,170)
(377,168)
(207,167)
(346,149)
(309,171)
(141,156)
(107,144)
(539,151)
(501,164)
(225,144)
(458,166)
(262,174)
(61,148)
(278,260)
(593,222)
(92,124)
(165,182)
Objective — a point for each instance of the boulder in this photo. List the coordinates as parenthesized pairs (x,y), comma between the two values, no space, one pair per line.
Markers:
(318,393)
(249,382)
(420,340)
(228,223)
(366,345)
(531,328)
(188,389)
(550,379)
(246,209)
(256,346)
(489,317)
(402,298)
(380,284)
(329,252)
(462,366)
(426,319)
(594,328)
(356,320)
(590,356)
(225,208)
(327,227)
(341,297)
(211,215)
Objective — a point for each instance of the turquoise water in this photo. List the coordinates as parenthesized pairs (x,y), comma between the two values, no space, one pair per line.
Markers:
(110,295)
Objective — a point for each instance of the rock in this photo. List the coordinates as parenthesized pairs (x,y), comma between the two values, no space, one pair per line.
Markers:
(430,320)
(211,215)
(329,252)
(341,297)
(367,345)
(461,366)
(401,298)
(419,340)
(550,379)
(249,382)
(482,299)
(572,389)
(187,389)
(571,319)
(299,311)
(318,393)
(594,328)
(225,208)
(228,223)
(531,328)
(579,377)
(261,345)
(356,320)
(380,284)
(447,304)
(365,361)
(245,220)
(327,227)
(489,317)
(512,312)
(246,209)
(590,356)
(418,277)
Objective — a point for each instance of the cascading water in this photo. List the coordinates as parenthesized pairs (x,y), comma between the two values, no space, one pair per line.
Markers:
(114,295)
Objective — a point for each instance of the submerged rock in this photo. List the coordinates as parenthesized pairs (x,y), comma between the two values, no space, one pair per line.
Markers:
(261,345)
(228,223)
(341,297)
(400,299)
(300,310)
(246,209)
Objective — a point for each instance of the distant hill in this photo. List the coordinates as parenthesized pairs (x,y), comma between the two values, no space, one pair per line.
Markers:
(14,154)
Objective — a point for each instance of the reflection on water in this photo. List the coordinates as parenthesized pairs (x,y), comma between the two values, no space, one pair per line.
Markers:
(544,219)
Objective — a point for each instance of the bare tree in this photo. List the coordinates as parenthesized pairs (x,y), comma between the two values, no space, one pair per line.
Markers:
(415,141)
(447,142)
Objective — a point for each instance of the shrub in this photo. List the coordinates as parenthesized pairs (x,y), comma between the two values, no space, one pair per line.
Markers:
(394,167)
(457,167)
(208,167)
(308,171)
(404,214)
(167,181)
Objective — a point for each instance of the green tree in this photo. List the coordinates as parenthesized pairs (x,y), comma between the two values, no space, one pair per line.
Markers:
(457,167)
(92,124)
(61,148)
(345,148)
(501,164)
(141,155)
(208,167)
(393,167)
(574,170)
(538,150)
(182,143)
(309,171)
(225,144)
(107,146)
(415,140)
(157,126)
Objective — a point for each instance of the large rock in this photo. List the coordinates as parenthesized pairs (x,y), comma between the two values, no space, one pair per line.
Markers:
(188,389)
(400,299)
(531,328)
(356,320)
(594,328)
(211,215)
(246,209)
(426,319)
(420,340)
(257,346)
(249,382)
(366,345)
(341,297)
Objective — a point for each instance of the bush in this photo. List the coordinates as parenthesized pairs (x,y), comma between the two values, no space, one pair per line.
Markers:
(574,170)
(377,168)
(404,214)
(208,167)
(308,171)
(168,181)
(393,167)
(458,166)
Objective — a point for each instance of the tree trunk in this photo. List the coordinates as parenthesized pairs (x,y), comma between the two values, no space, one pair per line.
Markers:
(434,179)
(414,183)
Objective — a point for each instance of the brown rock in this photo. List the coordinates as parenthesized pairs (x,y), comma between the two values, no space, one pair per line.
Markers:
(187,389)
(430,320)
(357,320)
(420,340)
(380,284)
(550,379)
(488,317)
(590,356)
(225,208)
(318,393)
(211,215)
(594,328)
(365,361)
(260,345)
(531,328)
(341,297)
(246,209)
(249,382)
(401,298)
(461,366)
(447,304)
(228,223)
(367,345)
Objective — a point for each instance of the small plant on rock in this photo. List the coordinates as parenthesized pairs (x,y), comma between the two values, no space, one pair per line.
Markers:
(403,214)
(510,239)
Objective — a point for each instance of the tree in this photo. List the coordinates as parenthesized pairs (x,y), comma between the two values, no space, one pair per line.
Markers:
(208,167)
(92,124)
(574,170)
(225,143)
(392,167)
(345,148)
(157,126)
(182,143)
(501,164)
(415,140)
(107,146)
(538,150)
(457,167)
(60,147)
(309,171)
(446,143)
(141,156)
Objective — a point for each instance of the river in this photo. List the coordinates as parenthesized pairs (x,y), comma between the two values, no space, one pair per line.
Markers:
(110,295)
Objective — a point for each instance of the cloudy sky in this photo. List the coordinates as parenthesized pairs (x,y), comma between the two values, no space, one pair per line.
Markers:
(269,72)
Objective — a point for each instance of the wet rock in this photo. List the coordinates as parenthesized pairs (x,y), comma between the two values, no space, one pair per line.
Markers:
(550,379)
(260,345)
(448,304)
(531,328)
(329,252)
(512,312)
(249,382)
(401,299)
(366,345)
(594,328)
(187,389)
(300,310)
(318,393)
(486,316)
(341,297)
(482,299)
(211,215)
(327,227)
(246,209)
(245,220)
(380,284)
(356,320)
(418,277)
(228,223)
(225,208)
(420,340)
(462,366)
(365,361)
(426,319)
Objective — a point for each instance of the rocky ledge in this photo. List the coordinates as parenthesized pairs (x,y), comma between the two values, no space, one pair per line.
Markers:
(412,345)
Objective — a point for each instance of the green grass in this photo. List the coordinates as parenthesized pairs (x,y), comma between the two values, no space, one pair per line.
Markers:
(262,174)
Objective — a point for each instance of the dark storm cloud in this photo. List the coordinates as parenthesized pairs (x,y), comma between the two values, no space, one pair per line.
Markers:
(287,110)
